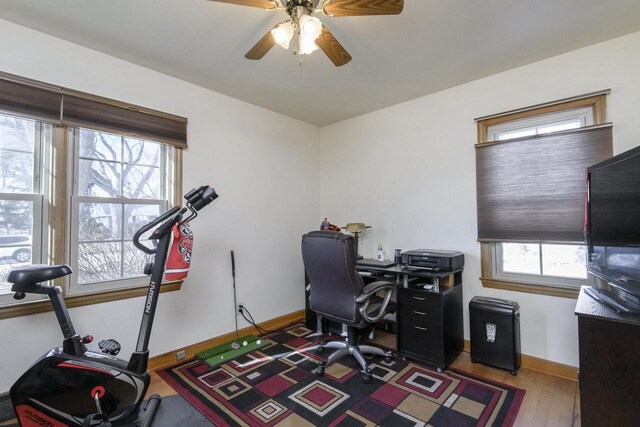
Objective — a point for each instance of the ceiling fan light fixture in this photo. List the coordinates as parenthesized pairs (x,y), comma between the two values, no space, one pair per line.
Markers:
(307,46)
(312,35)
(310,29)
(310,26)
(283,34)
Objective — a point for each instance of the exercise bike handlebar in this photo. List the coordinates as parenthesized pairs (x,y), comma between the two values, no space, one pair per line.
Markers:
(196,199)
(136,237)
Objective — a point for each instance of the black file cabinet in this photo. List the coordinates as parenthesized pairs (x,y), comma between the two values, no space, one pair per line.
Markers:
(430,325)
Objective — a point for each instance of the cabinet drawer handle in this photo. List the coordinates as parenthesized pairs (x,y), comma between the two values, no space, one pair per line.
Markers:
(420,327)
(419,312)
(419,298)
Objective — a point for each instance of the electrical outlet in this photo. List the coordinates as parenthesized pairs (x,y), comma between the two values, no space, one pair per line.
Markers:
(181,354)
(240,304)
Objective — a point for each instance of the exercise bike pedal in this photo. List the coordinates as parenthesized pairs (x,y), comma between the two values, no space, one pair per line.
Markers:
(109,346)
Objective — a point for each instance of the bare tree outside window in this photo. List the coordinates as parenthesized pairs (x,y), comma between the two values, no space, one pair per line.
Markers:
(120,187)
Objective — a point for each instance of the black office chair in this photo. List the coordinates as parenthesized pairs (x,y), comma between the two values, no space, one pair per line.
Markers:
(338,293)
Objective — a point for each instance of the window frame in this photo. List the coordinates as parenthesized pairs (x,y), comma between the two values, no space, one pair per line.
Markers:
(75,288)
(489,251)
(164,204)
(56,183)
(583,114)
(45,103)
(41,139)
(545,279)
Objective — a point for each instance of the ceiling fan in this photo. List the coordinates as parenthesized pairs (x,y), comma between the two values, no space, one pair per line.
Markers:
(311,33)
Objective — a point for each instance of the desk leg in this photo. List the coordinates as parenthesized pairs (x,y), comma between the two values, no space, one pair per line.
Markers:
(319,328)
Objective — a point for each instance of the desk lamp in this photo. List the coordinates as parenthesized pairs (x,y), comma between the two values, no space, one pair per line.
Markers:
(356,228)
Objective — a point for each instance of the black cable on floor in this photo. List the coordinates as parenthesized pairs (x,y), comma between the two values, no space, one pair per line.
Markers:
(260,329)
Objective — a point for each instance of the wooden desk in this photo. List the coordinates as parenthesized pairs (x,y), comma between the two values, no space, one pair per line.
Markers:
(609,368)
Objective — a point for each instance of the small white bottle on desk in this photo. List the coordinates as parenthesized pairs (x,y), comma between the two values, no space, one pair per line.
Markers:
(380,255)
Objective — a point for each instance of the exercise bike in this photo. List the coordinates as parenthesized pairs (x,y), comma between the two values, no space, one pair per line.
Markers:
(71,386)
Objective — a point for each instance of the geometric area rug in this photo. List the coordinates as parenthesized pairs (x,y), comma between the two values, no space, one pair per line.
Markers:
(276,386)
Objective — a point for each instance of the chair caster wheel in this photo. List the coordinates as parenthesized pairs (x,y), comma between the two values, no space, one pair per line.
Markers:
(366,376)
(387,359)
(320,370)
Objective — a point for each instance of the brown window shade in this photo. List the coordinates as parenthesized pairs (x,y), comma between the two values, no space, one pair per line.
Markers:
(533,189)
(30,101)
(33,99)
(108,117)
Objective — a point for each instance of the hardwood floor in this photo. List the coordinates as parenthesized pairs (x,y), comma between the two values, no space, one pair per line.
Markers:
(159,387)
(549,400)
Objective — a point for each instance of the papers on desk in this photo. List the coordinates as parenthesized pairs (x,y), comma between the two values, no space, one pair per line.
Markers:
(418,268)
(370,262)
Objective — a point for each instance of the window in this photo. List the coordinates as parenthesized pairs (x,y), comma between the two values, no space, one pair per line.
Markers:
(537,262)
(120,184)
(79,174)
(530,178)
(542,124)
(21,213)
(541,263)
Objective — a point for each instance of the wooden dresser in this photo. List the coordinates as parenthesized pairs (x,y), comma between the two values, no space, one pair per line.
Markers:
(609,377)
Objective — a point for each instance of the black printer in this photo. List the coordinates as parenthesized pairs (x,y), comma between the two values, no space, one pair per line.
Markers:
(434,260)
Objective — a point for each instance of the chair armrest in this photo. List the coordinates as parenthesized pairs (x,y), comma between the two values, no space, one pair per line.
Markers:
(372,288)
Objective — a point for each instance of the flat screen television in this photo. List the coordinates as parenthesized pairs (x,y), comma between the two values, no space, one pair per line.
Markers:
(613,230)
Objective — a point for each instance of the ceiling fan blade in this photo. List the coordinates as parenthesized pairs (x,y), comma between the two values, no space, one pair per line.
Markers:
(332,48)
(261,48)
(263,4)
(362,7)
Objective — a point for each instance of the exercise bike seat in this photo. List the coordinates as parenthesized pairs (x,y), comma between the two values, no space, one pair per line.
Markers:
(37,273)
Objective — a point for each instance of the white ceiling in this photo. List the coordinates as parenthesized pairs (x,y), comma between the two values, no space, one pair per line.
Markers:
(432,45)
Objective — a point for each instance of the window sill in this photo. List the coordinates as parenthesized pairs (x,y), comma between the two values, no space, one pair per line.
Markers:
(530,288)
(44,305)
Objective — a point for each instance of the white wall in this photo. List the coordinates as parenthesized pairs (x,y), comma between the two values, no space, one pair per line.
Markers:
(250,156)
(409,170)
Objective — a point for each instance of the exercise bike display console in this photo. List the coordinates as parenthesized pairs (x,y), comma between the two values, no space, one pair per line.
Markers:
(72,386)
